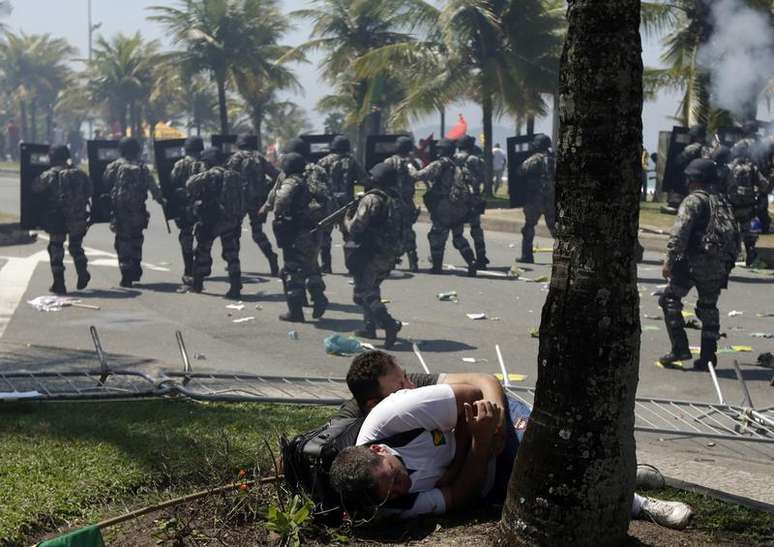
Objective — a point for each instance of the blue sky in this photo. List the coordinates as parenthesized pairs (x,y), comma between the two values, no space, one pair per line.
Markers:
(68,18)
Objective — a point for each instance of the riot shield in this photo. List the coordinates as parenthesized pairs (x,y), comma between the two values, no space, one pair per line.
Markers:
(320,145)
(674,178)
(101,154)
(167,153)
(518,152)
(227,143)
(34,161)
(379,148)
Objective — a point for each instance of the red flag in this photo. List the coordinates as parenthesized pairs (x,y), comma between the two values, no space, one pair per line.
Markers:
(459,130)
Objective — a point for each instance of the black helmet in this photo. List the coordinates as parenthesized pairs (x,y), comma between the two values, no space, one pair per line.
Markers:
(384,175)
(293,163)
(721,155)
(698,133)
(340,144)
(541,143)
(404,145)
(212,157)
(59,155)
(741,150)
(446,147)
(466,143)
(129,148)
(247,142)
(701,170)
(193,145)
(299,146)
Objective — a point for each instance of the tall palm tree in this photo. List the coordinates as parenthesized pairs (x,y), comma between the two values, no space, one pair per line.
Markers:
(224,38)
(573,480)
(164,101)
(5,10)
(33,70)
(201,105)
(121,76)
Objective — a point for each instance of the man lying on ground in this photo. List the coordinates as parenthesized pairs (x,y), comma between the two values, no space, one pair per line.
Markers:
(456,448)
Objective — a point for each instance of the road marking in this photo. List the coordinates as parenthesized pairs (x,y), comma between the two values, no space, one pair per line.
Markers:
(109,259)
(15,277)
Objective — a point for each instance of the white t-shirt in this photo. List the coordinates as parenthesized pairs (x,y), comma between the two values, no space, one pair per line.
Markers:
(499,159)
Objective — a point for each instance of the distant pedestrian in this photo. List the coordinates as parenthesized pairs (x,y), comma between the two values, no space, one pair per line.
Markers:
(12,131)
(499,162)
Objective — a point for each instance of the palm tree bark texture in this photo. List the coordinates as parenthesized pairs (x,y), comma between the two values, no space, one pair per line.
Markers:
(574,477)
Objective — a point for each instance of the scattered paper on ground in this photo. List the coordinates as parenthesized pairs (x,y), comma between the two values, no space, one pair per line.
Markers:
(654,317)
(238,307)
(762,334)
(450,296)
(337,344)
(735,313)
(476,316)
(760,315)
(473,360)
(650,328)
(56,303)
(534,332)
(735,349)
(244,319)
(512,377)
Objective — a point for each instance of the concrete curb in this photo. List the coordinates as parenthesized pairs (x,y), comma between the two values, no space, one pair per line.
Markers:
(5,171)
(749,503)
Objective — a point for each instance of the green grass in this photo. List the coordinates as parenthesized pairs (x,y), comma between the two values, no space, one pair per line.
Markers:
(75,463)
(7,217)
(719,518)
(14,165)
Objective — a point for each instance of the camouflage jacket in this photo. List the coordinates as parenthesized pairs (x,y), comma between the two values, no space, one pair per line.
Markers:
(475,166)
(438,175)
(129,183)
(406,183)
(539,173)
(344,172)
(254,170)
(184,169)
(66,190)
(377,221)
(693,151)
(216,196)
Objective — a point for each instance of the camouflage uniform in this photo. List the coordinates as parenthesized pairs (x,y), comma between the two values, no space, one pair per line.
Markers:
(183,170)
(440,174)
(67,192)
(539,174)
(744,200)
(292,201)
(410,211)
(254,170)
(128,183)
(477,168)
(691,264)
(343,173)
(214,218)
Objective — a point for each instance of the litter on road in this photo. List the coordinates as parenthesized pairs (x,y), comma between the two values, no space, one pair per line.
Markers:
(56,303)
(244,319)
(762,334)
(473,360)
(650,328)
(337,344)
(450,296)
(476,316)
(293,335)
(238,307)
(512,377)
(735,313)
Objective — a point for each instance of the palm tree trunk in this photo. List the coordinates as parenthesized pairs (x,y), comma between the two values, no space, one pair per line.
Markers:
(222,106)
(574,477)
(258,125)
(34,120)
(25,127)
(531,124)
(50,123)
(487,112)
(442,111)
(123,120)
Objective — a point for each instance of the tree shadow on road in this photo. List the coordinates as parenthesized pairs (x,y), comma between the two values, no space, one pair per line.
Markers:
(160,287)
(338,325)
(107,294)
(434,346)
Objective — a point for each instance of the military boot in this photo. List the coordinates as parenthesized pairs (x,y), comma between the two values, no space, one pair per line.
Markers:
(708,354)
(368,330)
(235,291)
(482,261)
(188,263)
(58,287)
(526,252)
(197,284)
(83,276)
(437,268)
(391,330)
(274,264)
(126,279)
(325,258)
(295,311)
(750,254)
(136,271)
(413,261)
(471,260)
(320,303)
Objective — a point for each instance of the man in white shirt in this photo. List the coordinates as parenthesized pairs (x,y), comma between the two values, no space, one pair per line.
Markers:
(499,161)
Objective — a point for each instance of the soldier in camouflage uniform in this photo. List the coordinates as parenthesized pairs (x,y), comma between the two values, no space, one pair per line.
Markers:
(299,202)
(467,158)
(216,198)
(744,187)
(401,161)
(538,171)
(344,172)
(183,170)
(696,149)
(67,193)
(128,180)
(700,252)
(374,229)
(258,176)
(446,213)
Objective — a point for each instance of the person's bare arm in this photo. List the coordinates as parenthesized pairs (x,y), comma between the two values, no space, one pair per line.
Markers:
(482,418)
(490,387)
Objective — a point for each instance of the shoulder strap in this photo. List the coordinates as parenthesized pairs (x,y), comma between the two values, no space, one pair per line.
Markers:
(399,439)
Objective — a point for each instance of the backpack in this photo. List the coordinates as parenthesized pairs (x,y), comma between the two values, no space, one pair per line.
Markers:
(130,190)
(252,171)
(231,198)
(721,236)
(741,184)
(317,195)
(307,459)
(388,236)
(73,193)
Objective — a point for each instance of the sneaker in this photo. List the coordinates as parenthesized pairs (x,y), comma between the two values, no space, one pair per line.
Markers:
(649,478)
(669,514)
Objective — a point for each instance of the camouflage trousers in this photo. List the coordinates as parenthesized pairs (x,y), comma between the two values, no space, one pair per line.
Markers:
(56,250)
(367,291)
(186,239)
(300,269)
(744,216)
(439,234)
(229,234)
(410,216)
(256,229)
(129,229)
(709,277)
(538,204)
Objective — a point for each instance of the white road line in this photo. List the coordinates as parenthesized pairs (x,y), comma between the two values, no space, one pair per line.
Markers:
(14,279)
(108,259)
